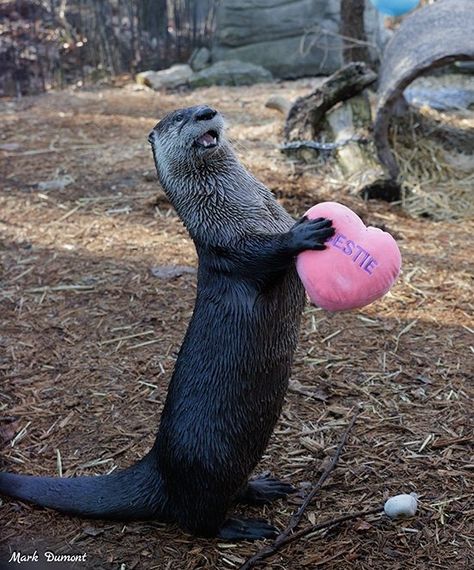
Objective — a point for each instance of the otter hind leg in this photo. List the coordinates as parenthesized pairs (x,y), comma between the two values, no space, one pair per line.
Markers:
(263,490)
(206,517)
(246,529)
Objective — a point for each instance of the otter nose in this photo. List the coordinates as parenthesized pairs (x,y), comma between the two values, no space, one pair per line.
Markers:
(204,114)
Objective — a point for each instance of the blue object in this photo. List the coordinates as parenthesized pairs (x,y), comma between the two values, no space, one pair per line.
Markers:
(395,7)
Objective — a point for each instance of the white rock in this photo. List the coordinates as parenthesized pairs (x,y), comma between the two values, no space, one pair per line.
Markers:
(57,184)
(170,78)
(401,506)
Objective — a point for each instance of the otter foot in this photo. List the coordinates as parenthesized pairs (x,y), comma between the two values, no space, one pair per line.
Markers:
(264,489)
(246,529)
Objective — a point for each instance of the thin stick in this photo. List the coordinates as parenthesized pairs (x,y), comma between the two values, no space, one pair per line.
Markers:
(54,149)
(66,215)
(296,518)
(272,549)
(284,536)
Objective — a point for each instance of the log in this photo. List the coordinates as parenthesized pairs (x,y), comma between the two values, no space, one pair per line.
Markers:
(306,114)
(355,151)
(279,103)
(434,35)
(348,129)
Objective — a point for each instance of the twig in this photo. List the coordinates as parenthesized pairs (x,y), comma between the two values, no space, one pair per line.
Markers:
(272,549)
(145,343)
(66,215)
(320,146)
(126,337)
(48,288)
(296,518)
(54,149)
(284,537)
(319,30)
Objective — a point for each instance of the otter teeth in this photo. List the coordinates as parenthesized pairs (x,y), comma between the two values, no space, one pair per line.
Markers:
(207,140)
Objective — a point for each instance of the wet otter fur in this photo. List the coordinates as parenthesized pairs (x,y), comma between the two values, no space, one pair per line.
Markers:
(231,375)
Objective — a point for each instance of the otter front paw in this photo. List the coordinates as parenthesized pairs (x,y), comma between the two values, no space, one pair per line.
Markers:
(246,529)
(311,234)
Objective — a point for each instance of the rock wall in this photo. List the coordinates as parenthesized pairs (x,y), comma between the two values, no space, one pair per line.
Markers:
(291,38)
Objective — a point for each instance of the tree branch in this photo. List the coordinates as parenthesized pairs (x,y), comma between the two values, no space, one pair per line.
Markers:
(307,112)
(273,549)
(284,537)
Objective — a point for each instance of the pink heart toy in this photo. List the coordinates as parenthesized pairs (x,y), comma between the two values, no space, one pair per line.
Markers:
(359,264)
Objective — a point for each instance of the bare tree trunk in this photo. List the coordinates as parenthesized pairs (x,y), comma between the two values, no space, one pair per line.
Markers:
(153,18)
(136,55)
(352,30)
(91,37)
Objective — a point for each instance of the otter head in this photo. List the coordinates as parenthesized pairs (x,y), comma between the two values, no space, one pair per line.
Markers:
(197,168)
(187,140)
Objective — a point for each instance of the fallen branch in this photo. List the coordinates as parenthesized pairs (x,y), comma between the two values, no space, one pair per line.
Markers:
(296,518)
(285,536)
(272,549)
(350,124)
(338,113)
(55,149)
(305,116)
(319,146)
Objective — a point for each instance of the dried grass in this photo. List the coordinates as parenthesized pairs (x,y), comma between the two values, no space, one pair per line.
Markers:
(438,179)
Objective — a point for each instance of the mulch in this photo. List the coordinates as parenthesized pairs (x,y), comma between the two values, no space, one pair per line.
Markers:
(91,320)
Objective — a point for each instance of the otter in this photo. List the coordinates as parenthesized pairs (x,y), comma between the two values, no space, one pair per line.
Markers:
(232,371)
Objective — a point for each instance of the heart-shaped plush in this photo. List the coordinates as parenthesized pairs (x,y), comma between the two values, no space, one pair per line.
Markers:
(359,264)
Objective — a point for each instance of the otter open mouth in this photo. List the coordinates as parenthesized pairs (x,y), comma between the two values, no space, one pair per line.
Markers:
(208,139)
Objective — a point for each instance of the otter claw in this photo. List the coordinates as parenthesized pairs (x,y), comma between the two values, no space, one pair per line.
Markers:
(265,489)
(247,529)
(311,234)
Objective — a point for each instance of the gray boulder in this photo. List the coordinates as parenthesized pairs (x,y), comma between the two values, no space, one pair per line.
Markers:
(442,99)
(200,59)
(291,38)
(231,72)
(170,78)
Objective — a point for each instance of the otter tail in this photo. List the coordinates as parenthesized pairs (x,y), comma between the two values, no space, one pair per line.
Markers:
(132,494)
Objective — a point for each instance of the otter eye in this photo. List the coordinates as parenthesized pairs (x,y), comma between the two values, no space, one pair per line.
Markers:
(178,118)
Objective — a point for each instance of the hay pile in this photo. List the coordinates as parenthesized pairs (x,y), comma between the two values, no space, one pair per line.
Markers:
(437,171)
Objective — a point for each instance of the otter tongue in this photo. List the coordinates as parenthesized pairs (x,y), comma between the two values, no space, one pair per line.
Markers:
(207,139)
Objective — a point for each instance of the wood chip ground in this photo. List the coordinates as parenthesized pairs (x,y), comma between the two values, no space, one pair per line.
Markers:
(89,337)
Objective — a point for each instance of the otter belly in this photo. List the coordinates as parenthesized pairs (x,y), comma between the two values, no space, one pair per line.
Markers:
(229,384)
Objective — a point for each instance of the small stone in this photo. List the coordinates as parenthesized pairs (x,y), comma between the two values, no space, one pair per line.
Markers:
(401,506)
(171,271)
(149,175)
(56,184)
